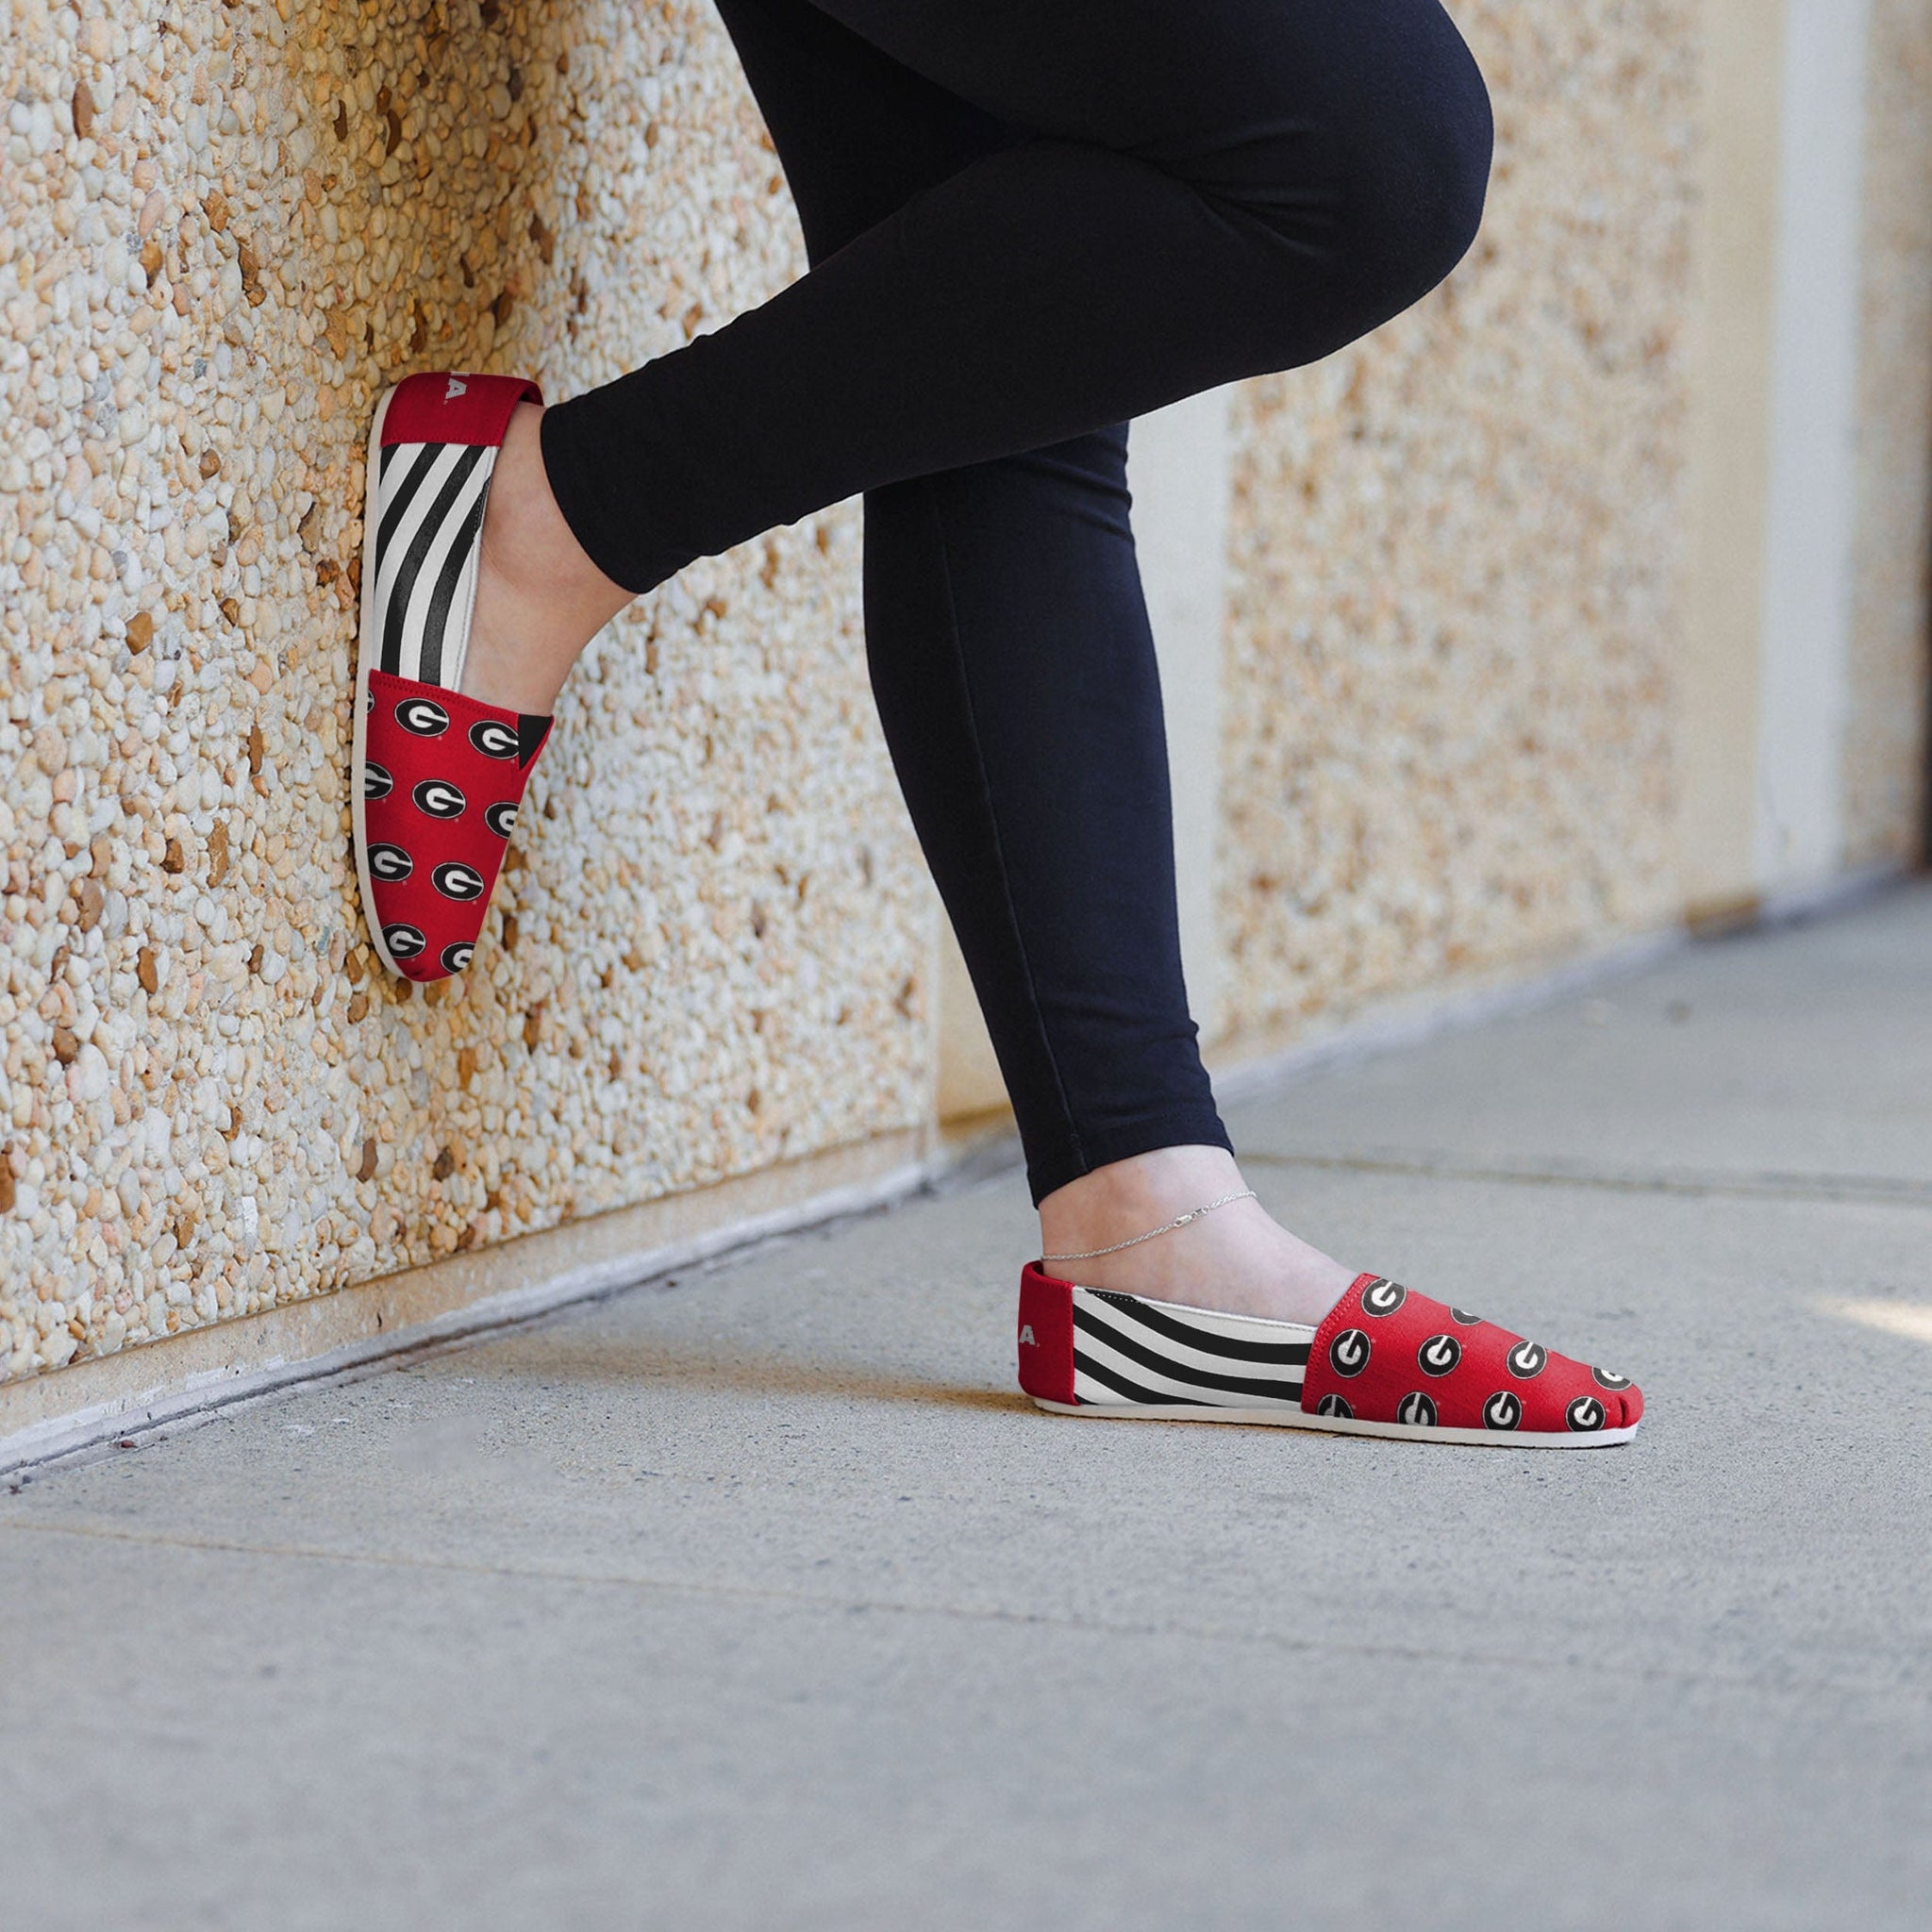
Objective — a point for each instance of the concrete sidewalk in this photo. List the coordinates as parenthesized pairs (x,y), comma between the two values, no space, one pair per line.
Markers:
(762,1599)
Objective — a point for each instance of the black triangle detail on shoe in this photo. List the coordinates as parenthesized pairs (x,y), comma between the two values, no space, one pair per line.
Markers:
(531,732)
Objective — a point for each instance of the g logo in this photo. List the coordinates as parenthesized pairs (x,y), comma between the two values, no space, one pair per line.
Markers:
(457,956)
(1585,1415)
(1464,1318)
(458,881)
(1503,1411)
(1333,1404)
(377,782)
(404,941)
(389,862)
(1416,1410)
(1526,1360)
(1439,1355)
(422,719)
(493,740)
(437,798)
(502,817)
(1383,1297)
(1348,1354)
(1609,1378)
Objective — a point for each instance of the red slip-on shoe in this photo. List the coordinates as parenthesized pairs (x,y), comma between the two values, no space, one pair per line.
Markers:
(1385,1361)
(438,777)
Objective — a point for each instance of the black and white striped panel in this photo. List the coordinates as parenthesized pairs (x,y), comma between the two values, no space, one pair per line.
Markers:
(430,512)
(1128,1350)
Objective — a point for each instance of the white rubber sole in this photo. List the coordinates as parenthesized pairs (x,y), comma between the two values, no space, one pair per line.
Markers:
(1338,1425)
(368,651)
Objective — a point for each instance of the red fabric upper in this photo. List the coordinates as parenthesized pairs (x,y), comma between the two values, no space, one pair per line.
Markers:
(1390,1355)
(440,408)
(443,776)
(1046,1335)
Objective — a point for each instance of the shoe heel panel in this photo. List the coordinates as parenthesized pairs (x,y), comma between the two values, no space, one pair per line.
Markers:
(1046,1336)
(442,408)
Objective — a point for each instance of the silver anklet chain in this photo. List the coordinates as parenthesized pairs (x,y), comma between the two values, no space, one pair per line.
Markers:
(1167,1228)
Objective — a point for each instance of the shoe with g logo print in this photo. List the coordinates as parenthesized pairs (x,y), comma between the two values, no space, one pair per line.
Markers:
(437,777)
(1384,1361)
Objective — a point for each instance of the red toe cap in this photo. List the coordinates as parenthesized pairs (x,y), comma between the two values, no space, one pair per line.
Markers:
(1385,1354)
(443,777)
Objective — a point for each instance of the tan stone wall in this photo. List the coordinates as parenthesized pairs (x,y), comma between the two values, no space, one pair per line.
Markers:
(1885,746)
(225,227)
(1456,560)
(1457,616)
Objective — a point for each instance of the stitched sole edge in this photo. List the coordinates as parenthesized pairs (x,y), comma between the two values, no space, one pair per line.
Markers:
(365,646)
(1339,1425)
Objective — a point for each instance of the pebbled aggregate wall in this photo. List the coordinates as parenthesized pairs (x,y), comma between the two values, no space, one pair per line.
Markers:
(1454,551)
(226,226)
(1448,740)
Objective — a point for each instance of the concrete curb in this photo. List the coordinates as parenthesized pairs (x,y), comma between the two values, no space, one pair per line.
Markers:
(1247,1070)
(267,1353)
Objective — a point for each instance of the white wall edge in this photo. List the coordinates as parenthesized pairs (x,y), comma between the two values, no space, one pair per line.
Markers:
(1811,512)
(1180,468)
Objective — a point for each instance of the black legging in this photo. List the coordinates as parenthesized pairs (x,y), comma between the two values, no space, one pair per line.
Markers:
(1028,220)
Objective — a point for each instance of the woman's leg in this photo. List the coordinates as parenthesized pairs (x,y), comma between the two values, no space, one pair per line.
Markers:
(1006,632)
(1205,192)
(1197,195)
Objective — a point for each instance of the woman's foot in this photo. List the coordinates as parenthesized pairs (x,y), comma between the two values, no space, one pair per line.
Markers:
(1239,1258)
(540,599)
(1383,1361)
(438,772)
(1366,1357)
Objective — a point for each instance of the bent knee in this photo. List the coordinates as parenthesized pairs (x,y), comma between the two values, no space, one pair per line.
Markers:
(1407,173)
(1414,184)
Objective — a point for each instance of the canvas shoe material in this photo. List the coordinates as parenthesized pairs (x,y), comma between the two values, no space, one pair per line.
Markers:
(1385,1361)
(438,778)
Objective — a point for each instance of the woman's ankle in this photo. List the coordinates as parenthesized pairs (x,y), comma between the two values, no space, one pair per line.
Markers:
(540,599)
(1123,1198)
(1238,1257)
